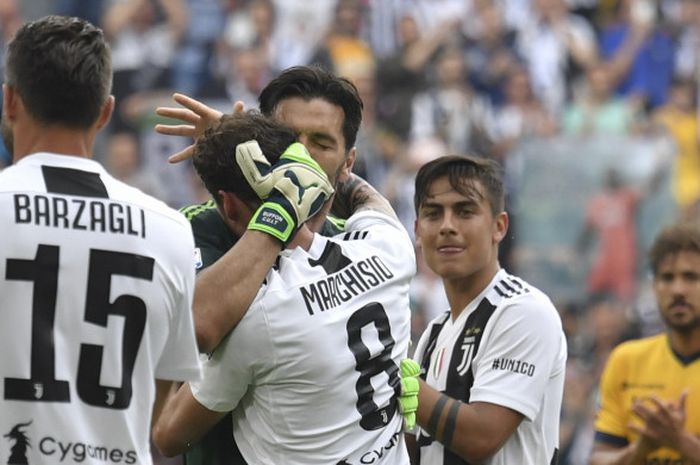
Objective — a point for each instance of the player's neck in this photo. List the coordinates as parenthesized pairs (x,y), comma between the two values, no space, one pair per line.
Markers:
(54,139)
(685,344)
(461,291)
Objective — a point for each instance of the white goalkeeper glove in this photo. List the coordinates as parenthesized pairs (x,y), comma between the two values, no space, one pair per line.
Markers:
(293,189)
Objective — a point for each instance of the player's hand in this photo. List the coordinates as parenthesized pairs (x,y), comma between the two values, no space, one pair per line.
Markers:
(294,188)
(408,399)
(664,421)
(197,116)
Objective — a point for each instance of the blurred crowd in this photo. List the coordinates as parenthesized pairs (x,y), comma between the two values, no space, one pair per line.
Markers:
(593,101)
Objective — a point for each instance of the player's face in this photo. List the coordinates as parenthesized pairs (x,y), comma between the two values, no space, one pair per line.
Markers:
(319,126)
(458,234)
(677,288)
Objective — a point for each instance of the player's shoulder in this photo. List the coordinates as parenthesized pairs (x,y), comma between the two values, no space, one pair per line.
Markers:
(20,177)
(643,347)
(382,230)
(200,212)
(513,296)
(508,289)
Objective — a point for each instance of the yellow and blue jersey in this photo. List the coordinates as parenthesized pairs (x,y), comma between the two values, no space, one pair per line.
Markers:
(639,369)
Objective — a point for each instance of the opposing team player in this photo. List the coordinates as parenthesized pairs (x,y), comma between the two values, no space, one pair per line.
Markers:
(96,278)
(311,372)
(493,365)
(650,388)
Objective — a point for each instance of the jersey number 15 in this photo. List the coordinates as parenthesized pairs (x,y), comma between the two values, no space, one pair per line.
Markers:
(43,272)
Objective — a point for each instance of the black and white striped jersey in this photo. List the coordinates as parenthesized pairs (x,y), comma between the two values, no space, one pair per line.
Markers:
(507,348)
(312,368)
(96,280)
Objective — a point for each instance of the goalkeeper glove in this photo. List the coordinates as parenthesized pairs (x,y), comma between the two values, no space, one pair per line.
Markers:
(408,399)
(293,189)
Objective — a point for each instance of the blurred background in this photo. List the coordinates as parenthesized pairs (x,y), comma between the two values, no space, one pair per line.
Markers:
(589,105)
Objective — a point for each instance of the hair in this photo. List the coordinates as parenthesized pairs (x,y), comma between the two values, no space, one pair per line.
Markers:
(61,68)
(682,237)
(308,82)
(463,172)
(215,152)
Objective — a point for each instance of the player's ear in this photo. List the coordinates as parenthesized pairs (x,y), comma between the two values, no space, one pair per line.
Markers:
(9,102)
(236,212)
(416,233)
(106,112)
(500,227)
(228,204)
(348,164)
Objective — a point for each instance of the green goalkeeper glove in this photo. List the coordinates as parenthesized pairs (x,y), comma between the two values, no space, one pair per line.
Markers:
(408,399)
(293,189)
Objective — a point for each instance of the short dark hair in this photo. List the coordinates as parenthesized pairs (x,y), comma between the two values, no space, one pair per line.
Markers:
(308,82)
(462,172)
(61,68)
(215,152)
(681,237)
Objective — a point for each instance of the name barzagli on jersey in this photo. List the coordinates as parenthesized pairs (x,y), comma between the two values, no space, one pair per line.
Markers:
(80,214)
(353,280)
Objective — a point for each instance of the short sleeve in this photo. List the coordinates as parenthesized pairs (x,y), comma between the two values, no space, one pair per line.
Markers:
(524,348)
(180,358)
(611,418)
(233,366)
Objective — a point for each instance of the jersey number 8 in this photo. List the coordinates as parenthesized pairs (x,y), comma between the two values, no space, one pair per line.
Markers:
(373,416)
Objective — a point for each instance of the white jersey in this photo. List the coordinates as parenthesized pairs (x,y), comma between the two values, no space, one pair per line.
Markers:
(96,280)
(519,363)
(312,368)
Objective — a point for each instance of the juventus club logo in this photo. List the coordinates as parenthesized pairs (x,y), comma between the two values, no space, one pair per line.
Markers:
(18,452)
(467,353)
(38,390)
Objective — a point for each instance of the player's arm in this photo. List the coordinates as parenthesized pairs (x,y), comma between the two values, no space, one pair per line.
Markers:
(474,431)
(354,194)
(183,423)
(164,388)
(225,289)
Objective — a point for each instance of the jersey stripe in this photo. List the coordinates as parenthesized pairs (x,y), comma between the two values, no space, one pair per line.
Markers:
(71,181)
(193,210)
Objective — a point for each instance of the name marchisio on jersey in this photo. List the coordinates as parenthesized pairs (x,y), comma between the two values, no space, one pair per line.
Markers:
(80,214)
(353,280)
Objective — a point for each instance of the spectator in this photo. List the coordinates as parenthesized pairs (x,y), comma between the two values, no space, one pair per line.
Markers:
(343,51)
(596,110)
(490,52)
(143,46)
(556,46)
(611,215)
(679,118)
(451,110)
(402,75)
(640,54)
(522,116)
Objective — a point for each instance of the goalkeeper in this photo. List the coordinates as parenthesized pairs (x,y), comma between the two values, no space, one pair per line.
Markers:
(311,372)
